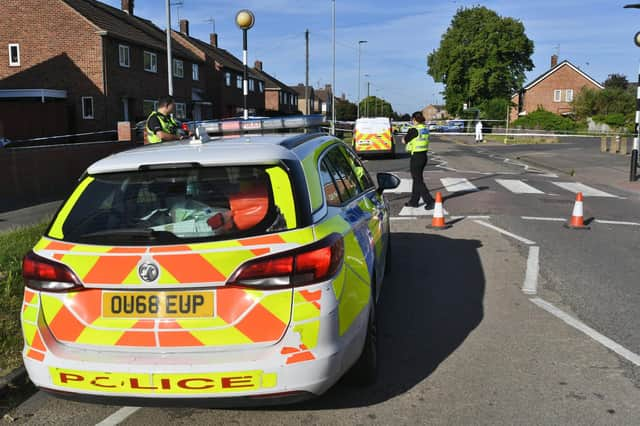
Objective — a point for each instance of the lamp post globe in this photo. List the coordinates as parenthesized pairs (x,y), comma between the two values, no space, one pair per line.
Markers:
(245,19)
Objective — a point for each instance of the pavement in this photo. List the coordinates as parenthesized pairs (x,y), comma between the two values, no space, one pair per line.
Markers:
(27,216)
(506,318)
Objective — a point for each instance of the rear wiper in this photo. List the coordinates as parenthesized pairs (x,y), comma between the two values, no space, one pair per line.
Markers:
(131,233)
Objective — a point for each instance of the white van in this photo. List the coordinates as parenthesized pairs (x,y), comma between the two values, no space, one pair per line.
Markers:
(373,136)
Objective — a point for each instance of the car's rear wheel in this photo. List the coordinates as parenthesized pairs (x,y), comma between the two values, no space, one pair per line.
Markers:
(365,371)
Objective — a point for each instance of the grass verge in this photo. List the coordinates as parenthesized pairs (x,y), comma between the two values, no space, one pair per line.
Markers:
(13,246)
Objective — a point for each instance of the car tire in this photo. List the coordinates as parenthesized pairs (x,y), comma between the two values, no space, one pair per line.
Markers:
(365,371)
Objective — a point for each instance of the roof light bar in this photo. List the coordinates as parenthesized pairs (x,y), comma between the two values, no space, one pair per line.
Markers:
(259,124)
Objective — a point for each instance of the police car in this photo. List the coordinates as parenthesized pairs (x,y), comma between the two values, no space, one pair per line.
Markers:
(238,269)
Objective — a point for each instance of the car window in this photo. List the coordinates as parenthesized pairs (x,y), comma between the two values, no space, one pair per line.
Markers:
(361,173)
(331,194)
(167,206)
(343,174)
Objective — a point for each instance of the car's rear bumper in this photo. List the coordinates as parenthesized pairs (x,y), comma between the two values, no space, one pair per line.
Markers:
(285,372)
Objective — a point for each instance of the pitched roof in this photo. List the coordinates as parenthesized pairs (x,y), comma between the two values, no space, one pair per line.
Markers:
(120,24)
(222,56)
(299,89)
(556,68)
(323,94)
(271,82)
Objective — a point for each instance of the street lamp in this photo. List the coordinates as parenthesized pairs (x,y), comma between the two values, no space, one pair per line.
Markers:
(245,21)
(360,43)
(366,105)
(169,64)
(634,153)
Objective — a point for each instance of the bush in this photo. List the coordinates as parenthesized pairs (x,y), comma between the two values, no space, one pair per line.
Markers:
(545,120)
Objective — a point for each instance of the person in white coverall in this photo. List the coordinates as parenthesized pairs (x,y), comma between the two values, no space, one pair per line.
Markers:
(479,131)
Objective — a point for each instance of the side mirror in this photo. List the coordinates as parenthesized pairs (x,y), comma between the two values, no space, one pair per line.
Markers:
(387,181)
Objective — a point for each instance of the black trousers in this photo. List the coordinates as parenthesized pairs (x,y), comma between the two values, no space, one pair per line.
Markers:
(419,188)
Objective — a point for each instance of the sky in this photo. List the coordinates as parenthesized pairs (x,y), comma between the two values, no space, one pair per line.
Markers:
(596,36)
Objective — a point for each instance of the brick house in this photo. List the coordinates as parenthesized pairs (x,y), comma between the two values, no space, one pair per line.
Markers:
(280,99)
(224,76)
(553,91)
(94,65)
(303,101)
(324,99)
(434,112)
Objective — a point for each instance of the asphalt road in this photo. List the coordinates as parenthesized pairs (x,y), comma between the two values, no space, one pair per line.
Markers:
(460,342)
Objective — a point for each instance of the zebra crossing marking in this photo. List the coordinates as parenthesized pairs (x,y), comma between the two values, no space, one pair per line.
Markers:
(518,187)
(587,191)
(458,185)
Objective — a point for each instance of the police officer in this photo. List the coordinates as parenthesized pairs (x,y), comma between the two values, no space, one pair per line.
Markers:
(417,144)
(161,126)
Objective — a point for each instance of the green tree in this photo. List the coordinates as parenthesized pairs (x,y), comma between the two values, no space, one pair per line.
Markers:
(345,110)
(494,109)
(373,106)
(481,56)
(616,81)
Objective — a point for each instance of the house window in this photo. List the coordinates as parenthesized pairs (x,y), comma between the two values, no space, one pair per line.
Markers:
(150,62)
(239,82)
(87,107)
(227,79)
(261,86)
(181,110)
(124,56)
(252,85)
(195,72)
(557,96)
(14,55)
(568,95)
(178,68)
(148,106)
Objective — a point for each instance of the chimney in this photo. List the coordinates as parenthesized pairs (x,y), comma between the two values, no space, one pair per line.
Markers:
(258,65)
(214,39)
(184,27)
(554,61)
(127,6)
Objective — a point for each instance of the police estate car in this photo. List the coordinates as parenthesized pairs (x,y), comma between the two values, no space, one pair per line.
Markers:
(241,267)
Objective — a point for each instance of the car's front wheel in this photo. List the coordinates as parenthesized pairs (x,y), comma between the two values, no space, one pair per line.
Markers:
(365,370)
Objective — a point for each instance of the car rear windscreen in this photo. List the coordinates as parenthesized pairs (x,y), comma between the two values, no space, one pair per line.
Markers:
(177,205)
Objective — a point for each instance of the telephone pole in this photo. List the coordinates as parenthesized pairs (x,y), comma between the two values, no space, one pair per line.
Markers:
(306,81)
(169,64)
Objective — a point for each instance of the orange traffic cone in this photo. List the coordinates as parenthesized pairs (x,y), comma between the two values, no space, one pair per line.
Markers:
(577,217)
(438,221)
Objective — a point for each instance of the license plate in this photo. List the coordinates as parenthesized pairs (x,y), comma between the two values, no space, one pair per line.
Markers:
(158,304)
(364,142)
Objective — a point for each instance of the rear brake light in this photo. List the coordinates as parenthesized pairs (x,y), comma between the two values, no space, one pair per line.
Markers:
(47,275)
(311,264)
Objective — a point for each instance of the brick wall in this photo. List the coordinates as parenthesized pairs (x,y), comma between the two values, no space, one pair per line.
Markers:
(58,168)
(59,49)
(136,84)
(542,94)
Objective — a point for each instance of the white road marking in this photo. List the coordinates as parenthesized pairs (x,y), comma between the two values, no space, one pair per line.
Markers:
(118,417)
(587,191)
(418,211)
(404,187)
(458,185)
(530,285)
(579,325)
(617,222)
(402,218)
(505,232)
(545,219)
(518,187)
(478,217)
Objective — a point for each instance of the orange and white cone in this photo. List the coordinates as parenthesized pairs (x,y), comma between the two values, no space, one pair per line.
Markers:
(577,217)
(438,221)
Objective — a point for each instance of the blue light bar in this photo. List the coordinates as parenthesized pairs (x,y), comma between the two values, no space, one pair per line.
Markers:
(258,125)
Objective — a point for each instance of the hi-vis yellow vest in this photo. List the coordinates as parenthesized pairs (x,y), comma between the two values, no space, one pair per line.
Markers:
(421,142)
(168,124)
